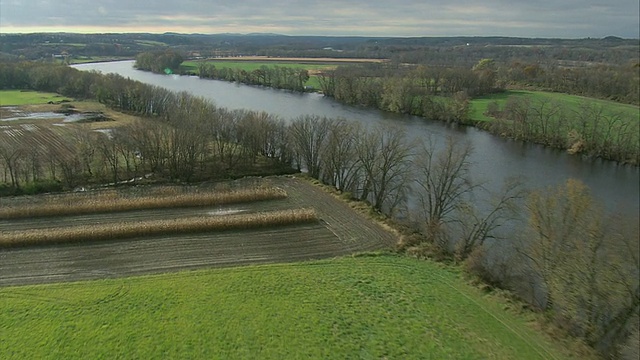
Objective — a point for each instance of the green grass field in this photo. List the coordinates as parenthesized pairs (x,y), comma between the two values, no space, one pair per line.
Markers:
(370,307)
(573,102)
(19,97)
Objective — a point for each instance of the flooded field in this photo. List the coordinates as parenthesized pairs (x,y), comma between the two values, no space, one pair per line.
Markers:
(14,113)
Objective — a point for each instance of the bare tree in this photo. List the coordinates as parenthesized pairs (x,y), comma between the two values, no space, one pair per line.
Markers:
(385,156)
(308,136)
(226,140)
(480,225)
(443,187)
(588,264)
(340,157)
(10,154)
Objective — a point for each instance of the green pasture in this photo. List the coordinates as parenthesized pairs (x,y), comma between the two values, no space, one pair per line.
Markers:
(314,83)
(572,102)
(19,97)
(371,307)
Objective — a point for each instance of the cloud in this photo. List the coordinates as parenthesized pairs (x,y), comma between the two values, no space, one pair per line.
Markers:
(542,18)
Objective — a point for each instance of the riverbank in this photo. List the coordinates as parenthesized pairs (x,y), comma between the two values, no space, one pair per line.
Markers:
(494,158)
(579,125)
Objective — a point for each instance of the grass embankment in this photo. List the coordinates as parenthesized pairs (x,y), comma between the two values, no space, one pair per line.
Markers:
(77,204)
(127,230)
(365,307)
(580,125)
(571,102)
(20,97)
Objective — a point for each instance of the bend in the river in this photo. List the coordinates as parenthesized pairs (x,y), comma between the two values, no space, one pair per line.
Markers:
(495,159)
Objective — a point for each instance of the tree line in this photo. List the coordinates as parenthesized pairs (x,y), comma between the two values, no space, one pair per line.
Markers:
(558,251)
(277,77)
(432,92)
(444,93)
(162,62)
(589,129)
(617,82)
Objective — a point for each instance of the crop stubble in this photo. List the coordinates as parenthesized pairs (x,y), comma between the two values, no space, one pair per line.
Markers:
(340,231)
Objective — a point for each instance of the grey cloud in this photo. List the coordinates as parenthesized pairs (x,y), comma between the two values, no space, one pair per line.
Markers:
(542,18)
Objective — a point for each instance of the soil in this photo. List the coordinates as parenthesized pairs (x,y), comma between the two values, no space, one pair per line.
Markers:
(340,231)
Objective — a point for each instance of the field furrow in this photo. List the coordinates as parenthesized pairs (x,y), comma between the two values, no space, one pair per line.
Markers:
(339,231)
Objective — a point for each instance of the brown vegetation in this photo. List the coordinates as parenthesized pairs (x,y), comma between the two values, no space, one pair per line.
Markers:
(85,233)
(110,202)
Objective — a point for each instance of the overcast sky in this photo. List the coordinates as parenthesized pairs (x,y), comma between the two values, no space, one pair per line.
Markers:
(526,18)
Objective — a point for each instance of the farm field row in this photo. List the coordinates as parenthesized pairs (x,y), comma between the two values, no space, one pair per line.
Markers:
(339,230)
(141,215)
(380,306)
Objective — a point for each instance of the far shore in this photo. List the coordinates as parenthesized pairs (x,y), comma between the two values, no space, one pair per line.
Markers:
(295,59)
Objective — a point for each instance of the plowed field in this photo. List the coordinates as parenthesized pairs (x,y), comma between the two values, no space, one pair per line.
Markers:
(340,231)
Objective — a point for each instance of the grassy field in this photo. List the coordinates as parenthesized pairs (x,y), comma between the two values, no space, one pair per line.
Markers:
(364,307)
(19,97)
(580,125)
(573,102)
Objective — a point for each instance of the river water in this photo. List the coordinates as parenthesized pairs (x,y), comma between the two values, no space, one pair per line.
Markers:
(495,159)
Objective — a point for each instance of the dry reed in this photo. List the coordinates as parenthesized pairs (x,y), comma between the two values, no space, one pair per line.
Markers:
(111,202)
(87,233)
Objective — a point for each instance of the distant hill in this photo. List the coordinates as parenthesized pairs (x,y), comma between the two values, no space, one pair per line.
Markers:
(462,51)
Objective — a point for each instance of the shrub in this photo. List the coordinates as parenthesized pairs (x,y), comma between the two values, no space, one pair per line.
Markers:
(43,186)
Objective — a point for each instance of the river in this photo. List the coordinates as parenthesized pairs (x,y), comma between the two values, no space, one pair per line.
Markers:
(495,159)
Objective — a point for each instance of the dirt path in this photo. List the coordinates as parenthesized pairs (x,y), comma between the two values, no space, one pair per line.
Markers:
(341,231)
